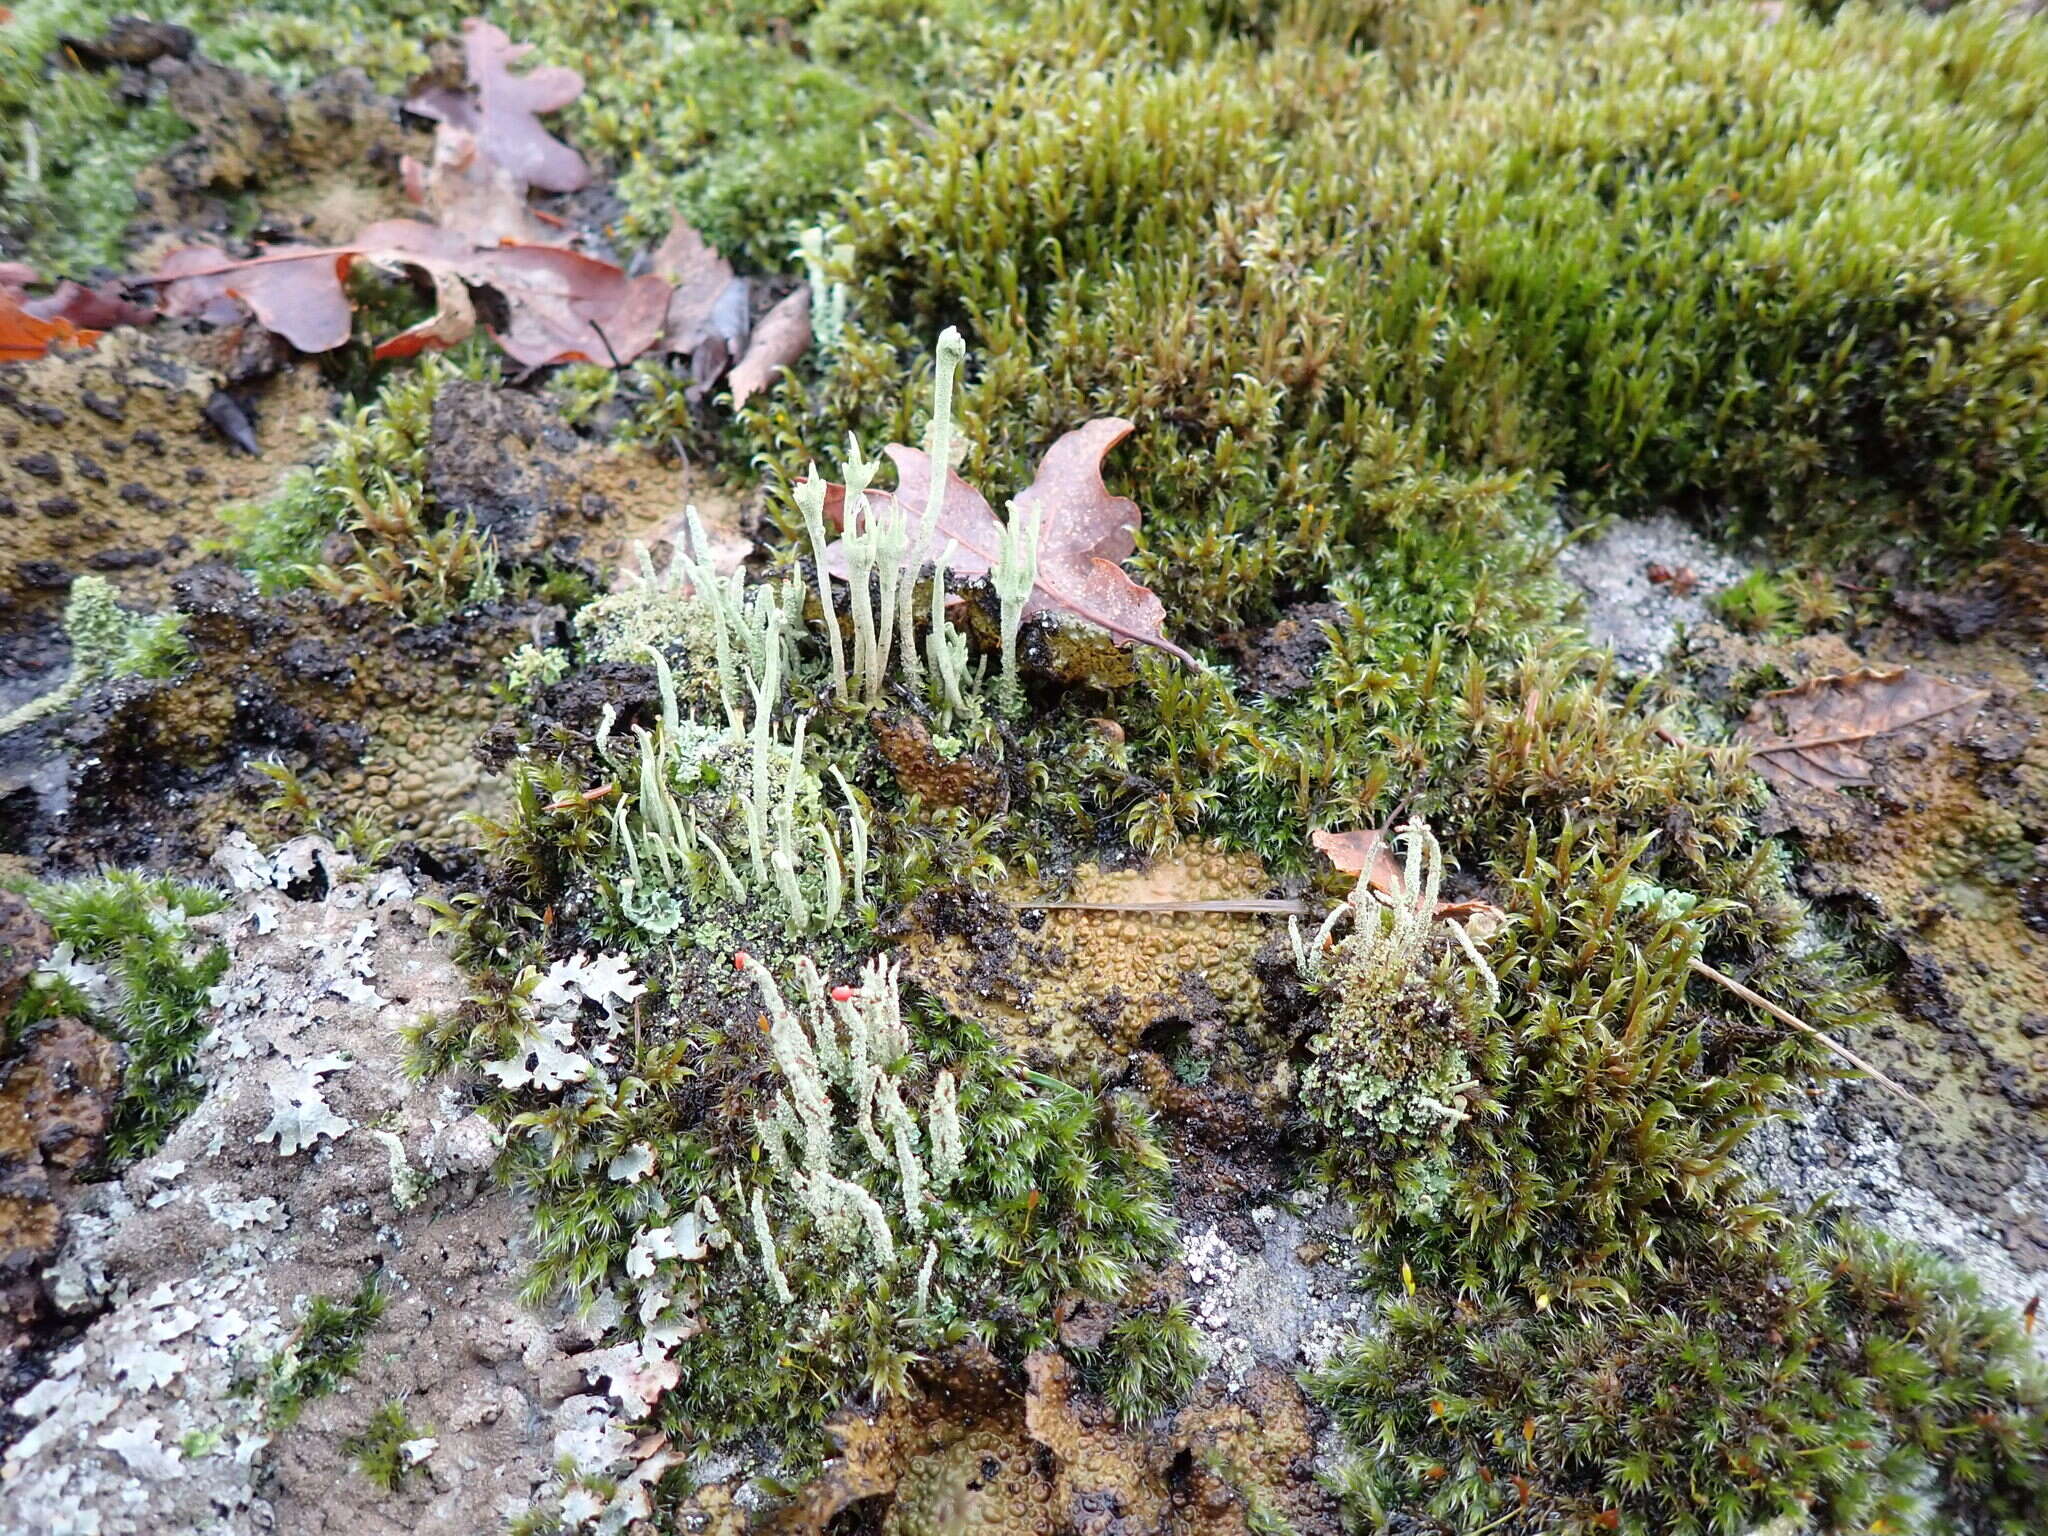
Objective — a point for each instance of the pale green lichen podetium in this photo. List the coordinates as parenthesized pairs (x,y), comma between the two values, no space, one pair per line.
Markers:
(951,352)
(1016,573)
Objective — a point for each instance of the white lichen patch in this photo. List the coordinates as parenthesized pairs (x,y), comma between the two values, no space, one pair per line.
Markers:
(300,1116)
(1272,1305)
(197,1267)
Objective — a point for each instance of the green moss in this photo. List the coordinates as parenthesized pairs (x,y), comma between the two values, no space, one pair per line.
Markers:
(378,1448)
(360,525)
(1061,1195)
(1146,1364)
(107,641)
(70,145)
(380,450)
(136,929)
(1839,1383)
(1647,255)
(323,1352)
(1756,605)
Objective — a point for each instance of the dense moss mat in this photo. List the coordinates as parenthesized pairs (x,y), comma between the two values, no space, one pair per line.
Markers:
(70,144)
(137,972)
(1785,275)
(1824,1382)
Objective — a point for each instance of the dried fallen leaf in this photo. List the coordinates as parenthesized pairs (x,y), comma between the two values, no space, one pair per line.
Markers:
(452,322)
(463,189)
(1083,533)
(294,292)
(707,314)
(1813,736)
(24,336)
(783,336)
(562,306)
(502,109)
(70,312)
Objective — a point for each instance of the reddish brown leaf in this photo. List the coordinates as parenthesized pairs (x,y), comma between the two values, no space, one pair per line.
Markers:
(707,315)
(24,336)
(464,190)
(502,109)
(563,306)
(87,312)
(294,291)
(90,309)
(783,336)
(452,322)
(1083,532)
(1813,737)
(566,307)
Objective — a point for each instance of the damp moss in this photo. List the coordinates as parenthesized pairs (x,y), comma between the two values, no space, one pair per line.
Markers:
(70,143)
(1642,254)
(1830,1382)
(148,993)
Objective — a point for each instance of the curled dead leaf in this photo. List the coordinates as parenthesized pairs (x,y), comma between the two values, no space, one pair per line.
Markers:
(70,313)
(24,336)
(708,313)
(562,306)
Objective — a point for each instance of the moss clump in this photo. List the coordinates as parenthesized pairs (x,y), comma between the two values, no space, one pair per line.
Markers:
(378,1449)
(1146,1364)
(1756,605)
(107,641)
(134,930)
(1061,1194)
(360,526)
(70,143)
(325,1350)
(1835,1383)
(1643,253)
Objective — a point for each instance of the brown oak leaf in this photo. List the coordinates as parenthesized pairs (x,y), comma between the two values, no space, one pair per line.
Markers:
(1813,737)
(1084,532)
(561,305)
(502,109)
(463,189)
(783,336)
(707,314)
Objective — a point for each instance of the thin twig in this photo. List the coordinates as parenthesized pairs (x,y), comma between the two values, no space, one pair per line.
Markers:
(1240,904)
(1757,1000)
(617,366)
